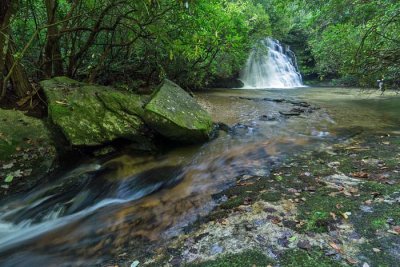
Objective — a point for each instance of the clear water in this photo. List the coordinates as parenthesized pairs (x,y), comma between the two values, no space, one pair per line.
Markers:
(100,208)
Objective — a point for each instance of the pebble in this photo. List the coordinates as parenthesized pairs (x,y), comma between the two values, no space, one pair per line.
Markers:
(334,164)
(304,244)
(216,249)
(366,209)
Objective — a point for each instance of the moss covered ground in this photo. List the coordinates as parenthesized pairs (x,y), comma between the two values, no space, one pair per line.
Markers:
(337,207)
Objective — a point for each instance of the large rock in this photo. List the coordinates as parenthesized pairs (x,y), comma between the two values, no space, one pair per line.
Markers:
(90,115)
(27,152)
(176,115)
(227,83)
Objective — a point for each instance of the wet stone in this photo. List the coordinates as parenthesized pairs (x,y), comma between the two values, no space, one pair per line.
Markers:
(270,210)
(176,261)
(259,223)
(267,118)
(367,209)
(355,236)
(289,223)
(261,239)
(330,253)
(304,244)
(249,227)
(283,242)
(216,249)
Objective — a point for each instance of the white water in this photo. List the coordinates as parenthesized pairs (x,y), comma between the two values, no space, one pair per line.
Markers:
(271,66)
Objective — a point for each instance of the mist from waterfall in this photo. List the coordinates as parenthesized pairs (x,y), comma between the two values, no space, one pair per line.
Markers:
(270,65)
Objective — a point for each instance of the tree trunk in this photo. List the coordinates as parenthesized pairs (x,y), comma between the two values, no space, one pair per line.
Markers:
(52,64)
(18,77)
(7,9)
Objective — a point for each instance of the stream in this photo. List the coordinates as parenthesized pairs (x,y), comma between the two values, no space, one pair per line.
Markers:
(102,207)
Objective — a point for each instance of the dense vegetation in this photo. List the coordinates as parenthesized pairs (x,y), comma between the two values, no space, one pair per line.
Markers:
(354,41)
(134,44)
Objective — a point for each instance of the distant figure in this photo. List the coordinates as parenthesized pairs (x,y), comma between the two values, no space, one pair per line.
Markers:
(381,87)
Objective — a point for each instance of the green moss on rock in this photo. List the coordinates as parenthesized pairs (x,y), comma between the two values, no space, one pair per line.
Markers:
(26,151)
(317,208)
(246,258)
(175,114)
(300,258)
(93,115)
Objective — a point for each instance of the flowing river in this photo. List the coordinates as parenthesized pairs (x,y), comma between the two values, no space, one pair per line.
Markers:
(102,208)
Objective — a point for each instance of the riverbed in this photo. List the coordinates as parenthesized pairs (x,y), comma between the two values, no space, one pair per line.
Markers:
(124,208)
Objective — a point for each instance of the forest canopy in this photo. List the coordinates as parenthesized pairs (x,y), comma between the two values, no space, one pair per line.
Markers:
(107,41)
(135,44)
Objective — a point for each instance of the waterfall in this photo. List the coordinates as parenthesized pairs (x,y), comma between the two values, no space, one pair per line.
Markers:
(270,65)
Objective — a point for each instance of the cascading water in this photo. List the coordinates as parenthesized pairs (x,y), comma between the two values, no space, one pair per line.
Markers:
(270,65)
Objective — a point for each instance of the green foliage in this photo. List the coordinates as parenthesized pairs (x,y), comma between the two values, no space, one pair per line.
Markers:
(299,258)
(110,41)
(357,40)
(246,258)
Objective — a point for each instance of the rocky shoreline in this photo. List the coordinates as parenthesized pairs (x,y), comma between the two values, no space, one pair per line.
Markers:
(337,206)
(84,117)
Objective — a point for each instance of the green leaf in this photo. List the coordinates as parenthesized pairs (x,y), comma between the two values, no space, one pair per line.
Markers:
(9,178)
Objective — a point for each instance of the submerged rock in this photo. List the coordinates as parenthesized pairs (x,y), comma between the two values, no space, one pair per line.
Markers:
(173,113)
(90,115)
(26,151)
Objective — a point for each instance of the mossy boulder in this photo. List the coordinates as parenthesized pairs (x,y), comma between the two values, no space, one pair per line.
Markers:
(91,115)
(173,113)
(26,151)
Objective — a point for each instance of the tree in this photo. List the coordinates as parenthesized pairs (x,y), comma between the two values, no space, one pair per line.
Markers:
(10,67)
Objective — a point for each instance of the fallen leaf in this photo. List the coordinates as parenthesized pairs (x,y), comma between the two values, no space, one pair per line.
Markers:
(8,166)
(347,193)
(61,103)
(368,202)
(335,247)
(247,201)
(276,220)
(224,222)
(360,174)
(393,232)
(353,190)
(351,261)
(244,183)
(9,178)
(396,229)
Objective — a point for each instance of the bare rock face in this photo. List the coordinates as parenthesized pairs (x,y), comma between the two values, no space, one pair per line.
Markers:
(173,113)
